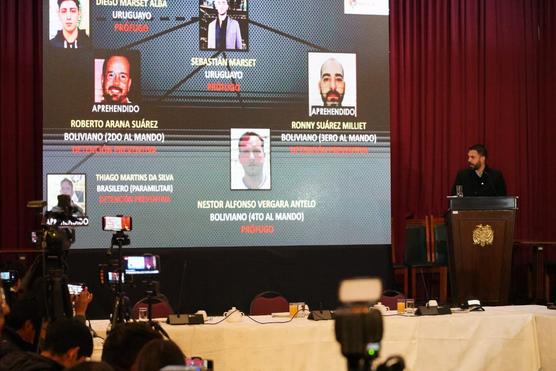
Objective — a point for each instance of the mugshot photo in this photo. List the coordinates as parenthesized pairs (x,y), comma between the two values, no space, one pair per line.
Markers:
(72,185)
(68,25)
(223,25)
(250,159)
(332,81)
(117,78)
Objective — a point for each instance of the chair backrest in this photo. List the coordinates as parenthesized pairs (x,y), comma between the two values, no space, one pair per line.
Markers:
(390,298)
(439,240)
(160,307)
(416,241)
(268,302)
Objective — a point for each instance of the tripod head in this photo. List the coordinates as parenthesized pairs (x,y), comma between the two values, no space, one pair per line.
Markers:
(120,239)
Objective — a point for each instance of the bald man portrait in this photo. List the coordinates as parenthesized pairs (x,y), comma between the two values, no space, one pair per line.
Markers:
(332,86)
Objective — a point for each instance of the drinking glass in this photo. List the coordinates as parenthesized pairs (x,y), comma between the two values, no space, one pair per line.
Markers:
(400,306)
(459,190)
(142,314)
(410,306)
(296,309)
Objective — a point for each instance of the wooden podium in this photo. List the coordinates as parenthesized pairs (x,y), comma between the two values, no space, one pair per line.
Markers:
(481,231)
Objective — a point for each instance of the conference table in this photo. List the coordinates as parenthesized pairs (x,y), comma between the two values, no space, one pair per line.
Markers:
(500,338)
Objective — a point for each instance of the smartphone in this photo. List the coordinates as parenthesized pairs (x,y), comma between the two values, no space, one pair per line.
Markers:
(198,364)
(75,288)
(144,264)
(117,223)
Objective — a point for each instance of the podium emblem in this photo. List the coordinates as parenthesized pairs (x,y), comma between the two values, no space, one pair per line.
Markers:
(483,235)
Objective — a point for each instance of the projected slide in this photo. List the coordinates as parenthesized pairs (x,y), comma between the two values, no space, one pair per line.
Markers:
(220,122)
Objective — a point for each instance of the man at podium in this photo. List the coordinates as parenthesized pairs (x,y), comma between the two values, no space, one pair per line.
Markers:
(479,179)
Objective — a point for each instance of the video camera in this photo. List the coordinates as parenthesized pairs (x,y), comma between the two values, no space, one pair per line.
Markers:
(46,279)
(359,327)
(65,214)
(57,234)
(8,277)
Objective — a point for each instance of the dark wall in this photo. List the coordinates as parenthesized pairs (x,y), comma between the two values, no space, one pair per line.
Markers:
(219,278)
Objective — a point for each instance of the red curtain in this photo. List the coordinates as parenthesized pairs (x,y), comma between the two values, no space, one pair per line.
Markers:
(544,190)
(466,72)
(20,118)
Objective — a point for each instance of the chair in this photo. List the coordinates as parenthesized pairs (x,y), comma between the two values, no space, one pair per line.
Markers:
(439,252)
(399,269)
(420,255)
(160,307)
(438,241)
(268,302)
(390,298)
(542,270)
(403,271)
(549,271)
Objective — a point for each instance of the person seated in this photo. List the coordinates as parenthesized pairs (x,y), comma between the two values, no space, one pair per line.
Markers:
(157,354)
(124,343)
(67,343)
(22,327)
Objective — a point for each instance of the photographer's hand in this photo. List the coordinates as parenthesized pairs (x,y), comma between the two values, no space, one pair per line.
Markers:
(81,302)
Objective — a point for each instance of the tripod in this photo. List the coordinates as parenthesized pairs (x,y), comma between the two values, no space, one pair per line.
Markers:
(46,279)
(120,307)
(151,297)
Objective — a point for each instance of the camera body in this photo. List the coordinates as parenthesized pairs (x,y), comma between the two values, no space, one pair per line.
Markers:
(109,274)
(113,277)
(359,327)
(9,277)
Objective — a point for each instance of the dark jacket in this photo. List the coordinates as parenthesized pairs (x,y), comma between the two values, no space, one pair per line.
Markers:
(491,183)
(27,361)
(83,41)
(11,342)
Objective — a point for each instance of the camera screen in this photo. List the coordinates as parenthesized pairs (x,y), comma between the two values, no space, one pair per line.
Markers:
(198,364)
(147,264)
(114,277)
(117,223)
(5,276)
(75,288)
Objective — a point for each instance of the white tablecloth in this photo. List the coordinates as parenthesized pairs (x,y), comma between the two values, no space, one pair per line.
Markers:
(501,338)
